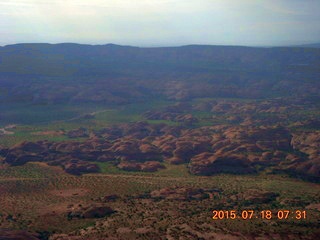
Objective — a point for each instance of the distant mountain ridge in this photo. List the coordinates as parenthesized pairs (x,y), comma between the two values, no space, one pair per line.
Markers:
(114,73)
(312,45)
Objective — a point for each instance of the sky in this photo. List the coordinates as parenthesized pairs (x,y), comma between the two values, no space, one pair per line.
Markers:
(149,23)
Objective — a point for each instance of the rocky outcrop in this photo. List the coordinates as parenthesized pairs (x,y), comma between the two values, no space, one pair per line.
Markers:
(307,166)
(254,196)
(7,234)
(3,151)
(182,193)
(31,147)
(78,167)
(208,150)
(129,166)
(209,164)
(20,159)
(171,114)
(307,142)
(78,133)
(90,211)
(110,198)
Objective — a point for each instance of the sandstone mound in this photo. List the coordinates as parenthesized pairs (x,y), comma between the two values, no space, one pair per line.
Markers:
(182,193)
(255,196)
(209,164)
(90,211)
(209,150)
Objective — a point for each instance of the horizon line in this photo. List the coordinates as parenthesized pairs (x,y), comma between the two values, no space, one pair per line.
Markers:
(164,46)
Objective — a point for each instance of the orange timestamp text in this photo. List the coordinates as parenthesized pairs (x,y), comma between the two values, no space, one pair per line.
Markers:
(263,214)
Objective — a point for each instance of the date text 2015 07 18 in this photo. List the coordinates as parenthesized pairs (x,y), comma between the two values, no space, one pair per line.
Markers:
(263,214)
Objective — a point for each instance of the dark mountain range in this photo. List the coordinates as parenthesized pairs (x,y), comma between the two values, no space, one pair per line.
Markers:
(312,45)
(112,73)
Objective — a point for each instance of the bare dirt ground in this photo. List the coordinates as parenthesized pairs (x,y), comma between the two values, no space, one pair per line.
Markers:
(314,206)
(53,209)
(70,192)
(2,190)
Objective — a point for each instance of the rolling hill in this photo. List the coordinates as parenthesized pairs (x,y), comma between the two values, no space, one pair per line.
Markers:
(120,74)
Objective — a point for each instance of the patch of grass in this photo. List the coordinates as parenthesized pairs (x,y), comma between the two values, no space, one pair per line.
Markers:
(167,122)
(109,168)
(40,114)
(170,170)
(117,116)
(29,170)
(129,113)
(21,135)
(176,171)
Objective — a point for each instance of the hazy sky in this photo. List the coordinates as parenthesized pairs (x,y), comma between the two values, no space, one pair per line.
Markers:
(161,22)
